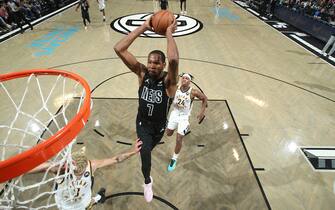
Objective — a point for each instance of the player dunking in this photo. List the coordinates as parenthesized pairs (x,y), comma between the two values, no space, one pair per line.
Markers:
(156,87)
(179,117)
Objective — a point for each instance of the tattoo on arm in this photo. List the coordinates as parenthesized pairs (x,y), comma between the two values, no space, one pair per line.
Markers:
(122,157)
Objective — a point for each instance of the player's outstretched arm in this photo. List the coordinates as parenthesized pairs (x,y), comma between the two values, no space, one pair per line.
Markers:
(203,98)
(44,167)
(121,49)
(173,60)
(118,158)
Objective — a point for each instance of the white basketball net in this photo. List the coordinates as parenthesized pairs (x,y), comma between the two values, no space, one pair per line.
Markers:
(33,109)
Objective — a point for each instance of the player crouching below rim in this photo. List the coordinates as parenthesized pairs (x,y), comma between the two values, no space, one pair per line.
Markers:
(79,187)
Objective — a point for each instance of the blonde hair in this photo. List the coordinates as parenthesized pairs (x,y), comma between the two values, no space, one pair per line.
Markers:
(80,161)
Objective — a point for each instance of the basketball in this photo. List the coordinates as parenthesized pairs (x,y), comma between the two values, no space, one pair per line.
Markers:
(161,20)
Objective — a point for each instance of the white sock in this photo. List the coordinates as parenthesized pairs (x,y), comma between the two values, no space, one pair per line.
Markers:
(97,198)
(175,156)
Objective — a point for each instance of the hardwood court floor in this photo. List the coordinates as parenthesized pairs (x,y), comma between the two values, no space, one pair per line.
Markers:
(214,175)
(279,94)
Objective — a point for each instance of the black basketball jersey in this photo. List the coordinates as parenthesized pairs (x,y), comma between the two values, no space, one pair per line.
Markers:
(164,4)
(154,103)
(83,5)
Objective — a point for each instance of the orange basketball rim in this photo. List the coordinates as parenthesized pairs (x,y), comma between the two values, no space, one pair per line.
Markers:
(29,159)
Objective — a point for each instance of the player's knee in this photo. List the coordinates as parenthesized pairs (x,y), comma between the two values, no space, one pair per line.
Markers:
(145,151)
(169,132)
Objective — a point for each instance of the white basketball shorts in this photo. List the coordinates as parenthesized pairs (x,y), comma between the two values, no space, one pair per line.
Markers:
(179,121)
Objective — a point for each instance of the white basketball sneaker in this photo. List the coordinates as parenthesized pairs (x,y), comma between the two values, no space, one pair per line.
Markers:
(148,194)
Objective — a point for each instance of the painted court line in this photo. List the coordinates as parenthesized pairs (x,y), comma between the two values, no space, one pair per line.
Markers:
(310,46)
(252,11)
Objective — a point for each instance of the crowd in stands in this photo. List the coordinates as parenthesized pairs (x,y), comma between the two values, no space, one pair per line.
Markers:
(15,13)
(320,9)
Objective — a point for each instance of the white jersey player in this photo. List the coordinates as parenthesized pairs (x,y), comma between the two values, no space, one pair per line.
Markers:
(179,117)
(75,193)
(182,107)
(74,190)
(102,6)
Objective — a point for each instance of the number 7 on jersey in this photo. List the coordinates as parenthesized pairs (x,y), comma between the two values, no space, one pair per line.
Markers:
(151,109)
